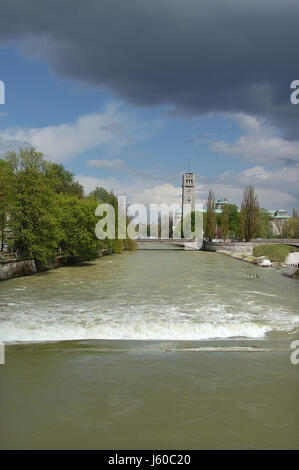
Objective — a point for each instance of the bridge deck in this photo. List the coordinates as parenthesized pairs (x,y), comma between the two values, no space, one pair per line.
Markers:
(184,241)
(263,241)
(163,240)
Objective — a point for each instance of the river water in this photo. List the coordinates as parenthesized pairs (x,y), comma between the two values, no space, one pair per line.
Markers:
(153,349)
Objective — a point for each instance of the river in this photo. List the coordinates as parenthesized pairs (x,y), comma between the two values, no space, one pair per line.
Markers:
(153,349)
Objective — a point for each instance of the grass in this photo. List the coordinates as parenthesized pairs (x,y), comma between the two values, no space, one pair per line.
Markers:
(296,274)
(275,253)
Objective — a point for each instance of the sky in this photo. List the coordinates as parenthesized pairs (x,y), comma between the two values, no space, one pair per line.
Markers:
(130,94)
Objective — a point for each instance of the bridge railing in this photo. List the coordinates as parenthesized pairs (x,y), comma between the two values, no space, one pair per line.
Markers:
(164,239)
(275,240)
(255,240)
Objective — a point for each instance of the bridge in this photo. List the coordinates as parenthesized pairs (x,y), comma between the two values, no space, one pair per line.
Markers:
(154,243)
(199,244)
(256,241)
(247,247)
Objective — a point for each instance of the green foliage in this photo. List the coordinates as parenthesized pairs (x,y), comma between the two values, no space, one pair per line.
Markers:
(34,226)
(129,244)
(63,180)
(224,221)
(43,212)
(275,252)
(28,158)
(188,225)
(77,220)
(290,228)
(210,216)
(266,229)
(250,214)
(7,189)
(234,221)
(100,195)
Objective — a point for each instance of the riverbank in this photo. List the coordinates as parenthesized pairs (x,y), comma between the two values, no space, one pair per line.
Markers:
(10,269)
(284,270)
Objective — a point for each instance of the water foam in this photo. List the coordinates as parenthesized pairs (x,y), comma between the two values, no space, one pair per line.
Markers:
(139,330)
(211,320)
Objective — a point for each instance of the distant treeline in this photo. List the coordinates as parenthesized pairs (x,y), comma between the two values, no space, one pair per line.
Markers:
(45,215)
(251,222)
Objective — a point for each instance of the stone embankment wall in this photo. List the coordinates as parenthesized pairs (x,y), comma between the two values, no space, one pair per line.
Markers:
(236,247)
(11,269)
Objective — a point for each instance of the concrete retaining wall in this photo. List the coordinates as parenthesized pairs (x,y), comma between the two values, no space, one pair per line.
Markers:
(237,247)
(11,269)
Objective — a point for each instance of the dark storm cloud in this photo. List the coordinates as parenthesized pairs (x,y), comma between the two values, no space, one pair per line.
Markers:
(198,55)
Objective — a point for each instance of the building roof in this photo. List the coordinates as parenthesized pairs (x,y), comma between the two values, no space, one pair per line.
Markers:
(278,213)
(221,201)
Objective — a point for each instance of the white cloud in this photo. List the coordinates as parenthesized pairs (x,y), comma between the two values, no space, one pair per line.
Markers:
(261,143)
(250,124)
(91,182)
(249,148)
(165,193)
(112,164)
(112,129)
(274,188)
(286,177)
(136,191)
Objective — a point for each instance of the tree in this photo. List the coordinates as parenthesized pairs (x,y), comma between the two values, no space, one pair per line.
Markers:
(63,181)
(27,159)
(45,214)
(7,191)
(279,225)
(266,226)
(291,228)
(210,218)
(33,217)
(250,214)
(77,220)
(234,222)
(224,221)
(101,195)
(295,214)
(190,226)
